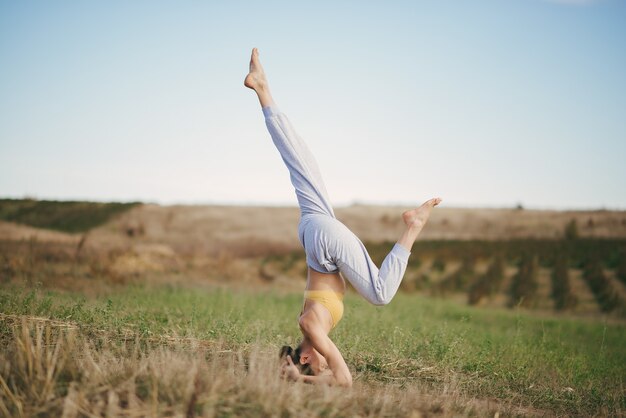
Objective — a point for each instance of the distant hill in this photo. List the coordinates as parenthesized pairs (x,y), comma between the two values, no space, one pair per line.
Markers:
(250,230)
(66,216)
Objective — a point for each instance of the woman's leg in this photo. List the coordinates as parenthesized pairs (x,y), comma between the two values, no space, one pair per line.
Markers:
(379,286)
(333,244)
(303,170)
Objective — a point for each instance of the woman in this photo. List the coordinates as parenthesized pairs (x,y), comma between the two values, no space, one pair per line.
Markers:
(331,248)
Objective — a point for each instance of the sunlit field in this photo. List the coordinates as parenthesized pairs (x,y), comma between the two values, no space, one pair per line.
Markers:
(127,318)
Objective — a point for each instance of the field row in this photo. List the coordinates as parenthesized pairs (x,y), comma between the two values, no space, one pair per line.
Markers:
(586,276)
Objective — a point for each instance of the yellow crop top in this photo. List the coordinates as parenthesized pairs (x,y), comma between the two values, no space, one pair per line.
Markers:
(333,301)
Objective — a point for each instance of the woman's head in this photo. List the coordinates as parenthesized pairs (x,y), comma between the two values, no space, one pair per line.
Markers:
(287,351)
(307,358)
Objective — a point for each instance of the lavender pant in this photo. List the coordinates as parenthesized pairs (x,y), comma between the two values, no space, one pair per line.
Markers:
(329,245)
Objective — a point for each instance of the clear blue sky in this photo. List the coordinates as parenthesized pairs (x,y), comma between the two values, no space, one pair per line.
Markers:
(484,103)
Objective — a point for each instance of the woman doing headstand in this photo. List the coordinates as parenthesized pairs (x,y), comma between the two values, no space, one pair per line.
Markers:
(333,252)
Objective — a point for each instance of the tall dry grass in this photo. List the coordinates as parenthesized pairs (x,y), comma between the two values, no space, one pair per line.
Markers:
(52,368)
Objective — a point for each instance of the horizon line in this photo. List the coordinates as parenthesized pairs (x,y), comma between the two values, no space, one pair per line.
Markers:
(358,202)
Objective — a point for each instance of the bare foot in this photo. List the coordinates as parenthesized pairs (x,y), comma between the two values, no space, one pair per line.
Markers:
(255,79)
(416,218)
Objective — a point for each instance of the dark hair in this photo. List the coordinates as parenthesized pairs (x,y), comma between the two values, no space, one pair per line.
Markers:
(295,357)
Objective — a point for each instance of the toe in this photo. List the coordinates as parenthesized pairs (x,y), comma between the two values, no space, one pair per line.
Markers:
(434,201)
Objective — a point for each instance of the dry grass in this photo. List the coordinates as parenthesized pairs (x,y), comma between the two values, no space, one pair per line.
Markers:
(52,368)
(415,355)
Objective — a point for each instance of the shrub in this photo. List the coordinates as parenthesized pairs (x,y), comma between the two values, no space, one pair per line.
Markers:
(524,286)
(460,279)
(561,291)
(438,265)
(571,230)
(621,266)
(600,286)
(487,284)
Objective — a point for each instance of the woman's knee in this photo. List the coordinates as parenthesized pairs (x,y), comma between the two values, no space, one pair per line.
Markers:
(380,299)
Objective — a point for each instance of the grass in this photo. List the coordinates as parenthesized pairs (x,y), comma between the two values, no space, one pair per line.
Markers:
(66,216)
(137,348)
(418,354)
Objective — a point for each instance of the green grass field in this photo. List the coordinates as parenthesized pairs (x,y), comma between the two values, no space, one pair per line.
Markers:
(443,352)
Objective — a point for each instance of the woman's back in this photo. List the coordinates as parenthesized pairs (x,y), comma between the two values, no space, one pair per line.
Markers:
(321,281)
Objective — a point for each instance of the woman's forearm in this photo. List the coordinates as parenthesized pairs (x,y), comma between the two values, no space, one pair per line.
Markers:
(327,379)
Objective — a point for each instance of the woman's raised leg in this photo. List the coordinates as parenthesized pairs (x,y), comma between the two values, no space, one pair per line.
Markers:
(304,172)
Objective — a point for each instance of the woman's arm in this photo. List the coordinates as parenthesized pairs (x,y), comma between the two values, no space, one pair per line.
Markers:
(291,372)
(324,379)
(324,345)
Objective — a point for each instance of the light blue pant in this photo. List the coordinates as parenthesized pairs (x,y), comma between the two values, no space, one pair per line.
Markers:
(329,245)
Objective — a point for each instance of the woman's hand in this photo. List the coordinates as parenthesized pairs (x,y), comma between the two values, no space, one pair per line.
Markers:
(289,370)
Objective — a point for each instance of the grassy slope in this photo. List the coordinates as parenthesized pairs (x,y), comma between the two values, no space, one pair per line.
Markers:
(66,216)
(562,365)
